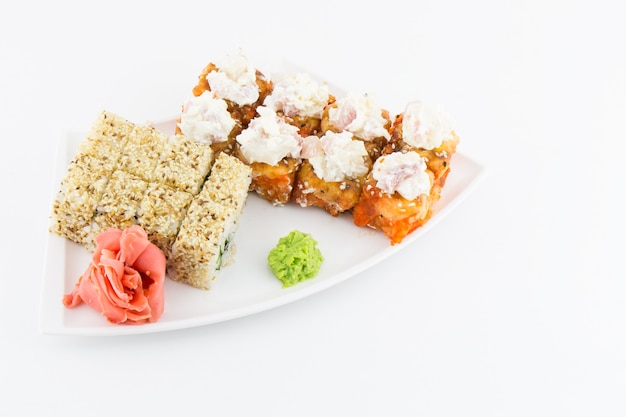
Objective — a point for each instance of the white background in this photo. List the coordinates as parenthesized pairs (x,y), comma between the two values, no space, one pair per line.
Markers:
(512,306)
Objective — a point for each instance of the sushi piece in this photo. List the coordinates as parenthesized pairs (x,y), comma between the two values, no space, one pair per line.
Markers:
(184,164)
(271,147)
(363,117)
(300,100)
(429,130)
(161,212)
(228,182)
(106,139)
(232,78)
(206,119)
(142,152)
(205,241)
(396,196)
(87,176)
(76,201)
(406,180)
(332,173)
(119,203)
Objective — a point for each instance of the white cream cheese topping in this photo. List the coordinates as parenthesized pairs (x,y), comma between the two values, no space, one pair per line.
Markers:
(336,156)
(425,125)
(298,95)
(359,115)
(269,138)
(206,119)
(404,173)
(235,79)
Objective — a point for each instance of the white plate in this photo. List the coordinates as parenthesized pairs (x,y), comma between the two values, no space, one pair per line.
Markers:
(247,286)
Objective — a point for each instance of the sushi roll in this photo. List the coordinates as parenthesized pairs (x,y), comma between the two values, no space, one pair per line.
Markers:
(271,147)
(106,139)
(161,212)
(406,180)
(142,151)
(228,182)
(396,196)
(300,100)
(429,130)
(332,173)
(184,164)
(78,197)
(206,119)
(231,77)
(119,203)
(205,241)
(87,177)
(363,117)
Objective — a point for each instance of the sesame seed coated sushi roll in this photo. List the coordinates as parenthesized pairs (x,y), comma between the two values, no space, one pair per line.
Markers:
(205,241)
(202,241)
(142,151)
(106,139)
(228,182)
(120,202)
(161,212)
(184,164)
(87,176)
(77,199)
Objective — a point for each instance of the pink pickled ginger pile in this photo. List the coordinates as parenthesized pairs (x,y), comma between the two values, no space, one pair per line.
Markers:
(124,280)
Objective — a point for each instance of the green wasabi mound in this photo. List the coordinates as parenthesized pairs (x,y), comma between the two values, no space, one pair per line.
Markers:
(295,258)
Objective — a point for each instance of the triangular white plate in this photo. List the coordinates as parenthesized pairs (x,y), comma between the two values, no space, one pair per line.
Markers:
(247,286)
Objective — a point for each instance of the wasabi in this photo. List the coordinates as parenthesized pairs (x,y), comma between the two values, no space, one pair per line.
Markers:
(295,258)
